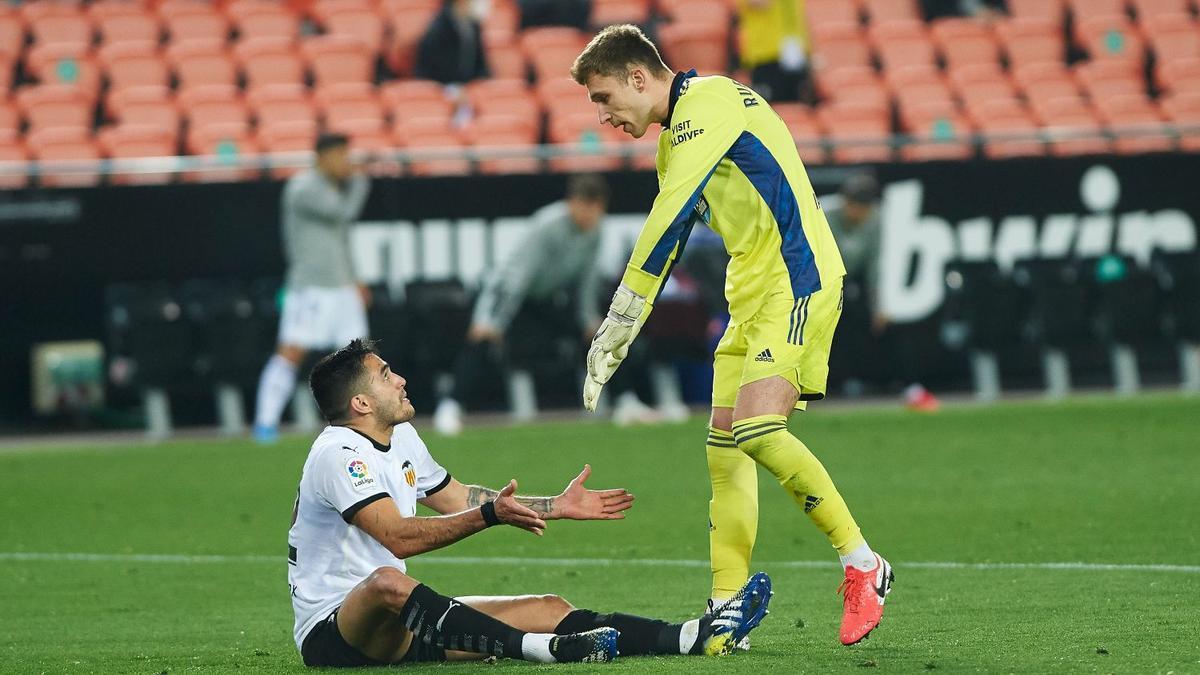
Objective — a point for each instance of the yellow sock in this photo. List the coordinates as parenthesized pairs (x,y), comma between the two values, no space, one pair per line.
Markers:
(732,513)
(767,440)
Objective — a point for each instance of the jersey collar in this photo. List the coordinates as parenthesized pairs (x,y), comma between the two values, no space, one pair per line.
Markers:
(678,86)
(377,445)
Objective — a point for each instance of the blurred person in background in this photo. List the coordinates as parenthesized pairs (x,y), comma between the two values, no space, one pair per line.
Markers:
(451,51)
(985,10)
(323,305)
(549,285)
(853,215)
(573,13)
(774,48)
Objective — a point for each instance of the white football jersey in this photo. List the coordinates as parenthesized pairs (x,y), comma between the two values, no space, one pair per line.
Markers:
(346,471)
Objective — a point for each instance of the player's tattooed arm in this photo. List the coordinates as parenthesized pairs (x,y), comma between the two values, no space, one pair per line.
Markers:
(477,495)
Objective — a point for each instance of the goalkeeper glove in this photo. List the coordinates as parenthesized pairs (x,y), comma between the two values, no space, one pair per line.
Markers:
(611,344)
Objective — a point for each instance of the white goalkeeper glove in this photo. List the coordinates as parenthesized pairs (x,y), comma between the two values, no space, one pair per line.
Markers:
(611,344)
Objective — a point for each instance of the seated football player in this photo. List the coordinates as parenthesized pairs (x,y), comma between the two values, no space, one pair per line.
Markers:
(354,524)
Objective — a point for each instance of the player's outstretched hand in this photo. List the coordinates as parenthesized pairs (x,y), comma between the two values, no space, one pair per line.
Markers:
(579,503)
(518,515)
(611,344)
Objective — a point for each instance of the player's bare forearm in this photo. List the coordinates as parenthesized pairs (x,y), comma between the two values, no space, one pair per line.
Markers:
(406,537)
(477,496)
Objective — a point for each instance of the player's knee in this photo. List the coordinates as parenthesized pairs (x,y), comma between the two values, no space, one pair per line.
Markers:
(554,605)
(391,586)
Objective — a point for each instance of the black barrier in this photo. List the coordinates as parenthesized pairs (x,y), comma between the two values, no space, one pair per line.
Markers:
(59,249)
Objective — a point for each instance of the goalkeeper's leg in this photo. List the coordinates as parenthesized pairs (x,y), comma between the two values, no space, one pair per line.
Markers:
(733,510)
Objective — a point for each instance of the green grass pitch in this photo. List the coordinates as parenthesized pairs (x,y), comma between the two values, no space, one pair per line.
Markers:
(1100,481)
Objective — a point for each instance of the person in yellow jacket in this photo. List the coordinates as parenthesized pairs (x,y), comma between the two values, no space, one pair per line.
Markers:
(774,48)
(725,157)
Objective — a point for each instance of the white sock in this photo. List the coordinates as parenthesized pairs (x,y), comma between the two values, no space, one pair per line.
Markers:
(275,387)
(862,558)
(688,635)
(536,647)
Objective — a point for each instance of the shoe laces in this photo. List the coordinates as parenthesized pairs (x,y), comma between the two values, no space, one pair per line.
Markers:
(851,591)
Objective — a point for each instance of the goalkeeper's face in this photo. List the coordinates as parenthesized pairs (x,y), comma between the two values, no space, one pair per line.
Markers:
(623,103)
(389,393)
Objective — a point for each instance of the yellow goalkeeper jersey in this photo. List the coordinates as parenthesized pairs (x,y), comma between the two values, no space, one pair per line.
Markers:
(725,157)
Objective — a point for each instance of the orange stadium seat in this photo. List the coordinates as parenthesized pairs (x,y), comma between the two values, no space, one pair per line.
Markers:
(409,19)
(504,133)
(60,23)
(125,27)
(423,109)
(865,95)
(713,13)
(397,92)
(65,144)
(829,81)
(1184,111)
(905,52)
(834,54)
(831,11)
(10,117)
(338,58)
(609,12)
(229,143)
(280,103)
(954,28)
(1084,8)
(823,32)
(553,61)
(1010,135)
(143,106)
(1048,10)
(129,141)
(366,135)
(406,127)
(593,145)
(13,150)
(348,101)
(130,64)
(976,73)
(1178,76)
(879,32)
(426,134)
(507,62)
(534,40)
(190,20)
(269,60)
(287,137)
(64,64)
(562,94)
(805,131)
(479,91)
(7,65)
(210,104)
(687,45)
(1072,128)
(1035,74)
(886,10)
(47,106)
(969,50)
(12,35)
(1178,44)
(1111,36)
(198,62)
(262,20)
(1150,8)
(502,25)
(859,134)
(1137,126)
(364,24)
(899,79)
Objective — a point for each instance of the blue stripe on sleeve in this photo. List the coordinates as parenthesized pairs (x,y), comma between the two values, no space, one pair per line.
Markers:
(657,259)
(753,159)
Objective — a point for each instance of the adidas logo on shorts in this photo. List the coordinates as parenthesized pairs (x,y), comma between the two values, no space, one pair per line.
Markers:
(765,356)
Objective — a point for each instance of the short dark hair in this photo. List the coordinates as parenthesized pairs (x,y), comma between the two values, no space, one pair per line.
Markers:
(338,377)
(614,51)
(588,186)
(860,188)
(329,141)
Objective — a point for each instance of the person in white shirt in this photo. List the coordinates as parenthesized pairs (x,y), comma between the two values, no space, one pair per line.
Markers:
(354,524)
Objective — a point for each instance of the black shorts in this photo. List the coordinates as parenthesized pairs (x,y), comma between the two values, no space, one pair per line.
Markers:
(325,647)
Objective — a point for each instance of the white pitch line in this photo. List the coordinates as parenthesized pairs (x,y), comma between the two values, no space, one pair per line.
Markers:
(591,562)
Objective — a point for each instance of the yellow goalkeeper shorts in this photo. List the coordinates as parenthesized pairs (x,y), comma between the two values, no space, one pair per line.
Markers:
(789,337)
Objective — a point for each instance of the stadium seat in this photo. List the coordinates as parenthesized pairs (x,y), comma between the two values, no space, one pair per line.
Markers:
(59,23)
(1179,75)
(610,12)
(805,130)
(12,36)
(399,92)
(880,32)
(13,150)
(128,141)
(133,64)
(859,134)
(228,143)
(269,60)
(1031,41)
(48,106)
(1136,123)
(592,147)
(693,45)
(906,52)
(824,32)
(553,61)
(1035,75)
(348,101)
(200,62)
(254,20)
(969,50)
(286,139)
(1081,9)
(865,95)
(1073,131)
(128,27)
(64,64)
(832,55)
(507,62)
(1175,45)
(502,25)
(338,58)
(898,79)
(1113,36)
(212,104)
(65,144)
(427,108)
(1184,111)
(190,20)
(938,131)
(428,135)
(10,119)
(409,19)
(829,81)
(879,11)
(1046,10)
(276,103)
(1009,134)
(7,66)
(1149,8)
(504,133)
(143,106)
(352,19)
(831,11)
(710,13)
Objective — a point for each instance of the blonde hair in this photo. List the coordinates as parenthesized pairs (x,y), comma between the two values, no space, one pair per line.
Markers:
(614,51)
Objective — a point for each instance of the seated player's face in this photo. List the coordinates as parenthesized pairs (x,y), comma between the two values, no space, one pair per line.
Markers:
(389,392)
(620,104)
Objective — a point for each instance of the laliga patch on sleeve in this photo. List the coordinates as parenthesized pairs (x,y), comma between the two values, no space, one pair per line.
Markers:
(360,477)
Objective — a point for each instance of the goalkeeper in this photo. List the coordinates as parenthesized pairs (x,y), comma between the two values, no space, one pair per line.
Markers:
(725,157)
